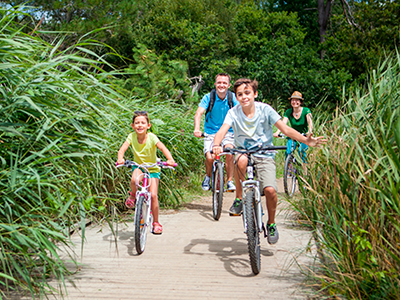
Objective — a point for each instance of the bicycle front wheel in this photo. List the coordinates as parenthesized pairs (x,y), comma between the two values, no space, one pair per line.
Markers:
(289,176)
(142,224)
(218,190)
(253,235)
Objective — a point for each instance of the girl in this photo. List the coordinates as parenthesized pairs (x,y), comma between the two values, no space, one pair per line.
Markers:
(145,146)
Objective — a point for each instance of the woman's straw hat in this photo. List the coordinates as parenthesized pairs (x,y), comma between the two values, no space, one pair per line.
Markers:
(296,95)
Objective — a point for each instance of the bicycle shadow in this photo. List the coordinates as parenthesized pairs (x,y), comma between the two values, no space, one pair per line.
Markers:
(125,236)
(228,252)
(204,210)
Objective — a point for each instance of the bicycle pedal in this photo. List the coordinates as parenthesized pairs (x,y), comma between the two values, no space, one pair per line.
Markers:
(229,191)
(235,215)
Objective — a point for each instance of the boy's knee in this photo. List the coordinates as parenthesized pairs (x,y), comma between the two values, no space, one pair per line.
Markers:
(269,191)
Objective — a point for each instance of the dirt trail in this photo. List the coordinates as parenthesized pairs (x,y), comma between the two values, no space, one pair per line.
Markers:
(195,258)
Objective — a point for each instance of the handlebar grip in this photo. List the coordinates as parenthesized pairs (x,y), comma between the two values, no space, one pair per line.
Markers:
(166,164)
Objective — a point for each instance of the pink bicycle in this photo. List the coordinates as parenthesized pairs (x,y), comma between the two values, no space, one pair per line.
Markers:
(143,218)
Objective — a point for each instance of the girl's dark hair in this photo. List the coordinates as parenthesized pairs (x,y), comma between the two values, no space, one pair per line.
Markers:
(139,113)
(247,82)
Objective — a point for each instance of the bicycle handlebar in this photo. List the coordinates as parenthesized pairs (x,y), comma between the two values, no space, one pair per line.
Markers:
(262,150)
(130,163)
(281,135)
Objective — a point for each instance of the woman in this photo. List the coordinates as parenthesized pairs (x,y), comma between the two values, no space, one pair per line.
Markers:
(300,118)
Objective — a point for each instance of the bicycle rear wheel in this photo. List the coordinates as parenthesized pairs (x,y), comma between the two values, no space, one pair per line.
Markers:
(289,176)
(218,190)
(253,235)
(142,224)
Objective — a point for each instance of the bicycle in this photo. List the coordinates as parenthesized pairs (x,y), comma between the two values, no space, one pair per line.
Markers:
(143,217)
(217,184)
(252,208)
(290,171)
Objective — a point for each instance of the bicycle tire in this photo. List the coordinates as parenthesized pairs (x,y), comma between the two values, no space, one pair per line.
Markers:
(218,190)
(253,235)
(289,176)
(141,228)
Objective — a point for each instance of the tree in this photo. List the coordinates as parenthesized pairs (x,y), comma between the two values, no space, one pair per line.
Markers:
(360,48)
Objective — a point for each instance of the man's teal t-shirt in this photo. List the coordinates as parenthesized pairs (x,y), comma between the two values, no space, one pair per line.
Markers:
(215,118)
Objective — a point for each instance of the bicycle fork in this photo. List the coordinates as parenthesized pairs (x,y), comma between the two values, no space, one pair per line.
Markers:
(145,215)
(258,212)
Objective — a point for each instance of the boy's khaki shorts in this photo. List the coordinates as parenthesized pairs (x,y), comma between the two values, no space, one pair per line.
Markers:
(266,172)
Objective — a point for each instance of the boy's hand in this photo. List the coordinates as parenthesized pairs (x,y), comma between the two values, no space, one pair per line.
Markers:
(171,162)
(275,134)
(120,161)
(217,149)
(315,142)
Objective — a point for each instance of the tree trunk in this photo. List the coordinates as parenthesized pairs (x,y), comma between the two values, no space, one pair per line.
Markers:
(324,11)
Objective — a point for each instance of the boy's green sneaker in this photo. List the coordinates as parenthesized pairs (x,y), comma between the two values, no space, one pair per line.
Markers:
(272,234)
(236,208)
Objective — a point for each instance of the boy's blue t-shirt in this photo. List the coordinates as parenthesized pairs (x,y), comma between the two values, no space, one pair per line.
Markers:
(215,118)
(257,130)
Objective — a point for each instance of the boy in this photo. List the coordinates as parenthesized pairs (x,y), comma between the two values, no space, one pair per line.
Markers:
(252,124)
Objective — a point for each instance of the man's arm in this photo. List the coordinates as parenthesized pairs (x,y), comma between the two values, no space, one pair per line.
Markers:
(197,120)
(219,136)
(294,134)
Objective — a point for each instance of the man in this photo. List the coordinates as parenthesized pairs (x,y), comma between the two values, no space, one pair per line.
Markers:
(216,105)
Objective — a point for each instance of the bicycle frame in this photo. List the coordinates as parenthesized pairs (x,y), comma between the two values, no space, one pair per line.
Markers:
(143,190)
(250,183)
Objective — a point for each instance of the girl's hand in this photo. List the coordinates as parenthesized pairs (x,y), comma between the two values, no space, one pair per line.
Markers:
(275,134)
(171,162)
(120,161)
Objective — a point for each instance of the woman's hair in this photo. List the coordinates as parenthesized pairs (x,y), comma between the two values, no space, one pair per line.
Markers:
(139,113)
(247,82)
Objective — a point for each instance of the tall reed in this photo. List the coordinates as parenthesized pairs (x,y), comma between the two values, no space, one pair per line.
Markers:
(353,194)
(52,106)
(62,121)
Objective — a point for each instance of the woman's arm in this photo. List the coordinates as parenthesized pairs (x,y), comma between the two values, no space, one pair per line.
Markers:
(285,120)
(310,124)
(121,153)
(165,151)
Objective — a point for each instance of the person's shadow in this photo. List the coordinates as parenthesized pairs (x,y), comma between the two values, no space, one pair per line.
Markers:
(228,252)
